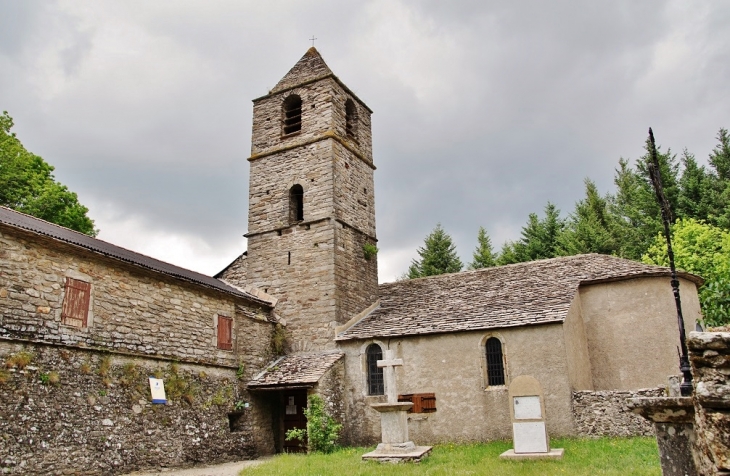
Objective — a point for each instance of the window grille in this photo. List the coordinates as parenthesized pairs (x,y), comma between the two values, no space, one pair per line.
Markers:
(292,114)
(375,373)
(351,118)
(75,311)
(495,362)
(296,203)
(225,333)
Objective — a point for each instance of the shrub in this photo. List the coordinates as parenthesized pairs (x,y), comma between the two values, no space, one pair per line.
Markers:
(369,251)
(322,430)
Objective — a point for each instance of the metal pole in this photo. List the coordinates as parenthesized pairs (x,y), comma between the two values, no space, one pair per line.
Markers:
(656,180)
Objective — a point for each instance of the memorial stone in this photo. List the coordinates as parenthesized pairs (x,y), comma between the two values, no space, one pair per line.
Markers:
(527,409)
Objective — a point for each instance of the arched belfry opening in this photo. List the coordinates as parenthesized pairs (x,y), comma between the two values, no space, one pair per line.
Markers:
(296,203)
(292,110)
(351,118)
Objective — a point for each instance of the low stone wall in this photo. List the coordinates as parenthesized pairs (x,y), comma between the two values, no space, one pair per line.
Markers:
(606,413)
(70,411)
(710,358)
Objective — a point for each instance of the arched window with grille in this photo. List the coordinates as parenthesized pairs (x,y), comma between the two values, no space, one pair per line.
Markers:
(375,373)
(292,114)
(495,362)
(351,118)
(296,203)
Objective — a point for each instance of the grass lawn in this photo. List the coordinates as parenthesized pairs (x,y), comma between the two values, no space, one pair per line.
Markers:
(612,456)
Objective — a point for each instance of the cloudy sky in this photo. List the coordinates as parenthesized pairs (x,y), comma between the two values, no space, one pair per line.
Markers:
(484,110)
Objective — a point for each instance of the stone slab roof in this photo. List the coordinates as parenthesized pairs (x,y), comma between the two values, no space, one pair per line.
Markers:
(536,292)
(310,67)
(296,370)
(41,227)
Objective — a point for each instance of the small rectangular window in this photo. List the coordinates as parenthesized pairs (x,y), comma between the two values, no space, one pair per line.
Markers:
(75,310)
(422,402)
(225,333)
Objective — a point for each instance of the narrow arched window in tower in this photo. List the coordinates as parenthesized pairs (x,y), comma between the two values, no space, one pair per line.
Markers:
(495,362)
(351,118)
(375,373)
(296,203)
(292,114)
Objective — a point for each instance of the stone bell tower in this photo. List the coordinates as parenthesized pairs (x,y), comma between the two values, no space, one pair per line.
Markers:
(311,203)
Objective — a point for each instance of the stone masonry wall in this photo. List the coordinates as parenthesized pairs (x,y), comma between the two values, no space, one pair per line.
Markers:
(316,267)
(710,359)
(304,285)
(131,310)
(356,277)
(72,411)
(605,412)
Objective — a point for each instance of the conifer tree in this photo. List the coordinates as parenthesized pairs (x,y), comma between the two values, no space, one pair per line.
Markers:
(437,256)
(483,256)
(539,238)
(591,227)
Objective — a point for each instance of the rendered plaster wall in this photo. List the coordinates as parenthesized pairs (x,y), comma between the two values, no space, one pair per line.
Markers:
(710,359)
(132,310)
(74,411)
(451,366)
(631,328)
(576,346)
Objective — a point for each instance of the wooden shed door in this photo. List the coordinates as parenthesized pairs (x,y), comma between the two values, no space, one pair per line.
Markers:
(293,404)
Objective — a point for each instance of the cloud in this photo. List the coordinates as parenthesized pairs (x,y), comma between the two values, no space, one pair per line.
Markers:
(484,110)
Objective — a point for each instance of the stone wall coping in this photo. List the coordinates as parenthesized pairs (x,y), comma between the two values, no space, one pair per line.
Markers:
(664,409)
(122,353)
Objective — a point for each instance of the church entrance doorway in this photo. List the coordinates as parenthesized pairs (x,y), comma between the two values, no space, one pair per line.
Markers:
(293,403)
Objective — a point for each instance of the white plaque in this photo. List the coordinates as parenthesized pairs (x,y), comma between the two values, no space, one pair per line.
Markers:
(157,389)
(530,437)
(527,408)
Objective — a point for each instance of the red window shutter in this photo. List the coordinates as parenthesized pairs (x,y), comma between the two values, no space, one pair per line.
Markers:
(428,402)
(225,333)
(75,311)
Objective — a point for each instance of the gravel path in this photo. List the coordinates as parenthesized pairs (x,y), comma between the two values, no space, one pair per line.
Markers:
(225,469)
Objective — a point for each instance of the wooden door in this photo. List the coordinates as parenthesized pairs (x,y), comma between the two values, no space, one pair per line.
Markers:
(293,404)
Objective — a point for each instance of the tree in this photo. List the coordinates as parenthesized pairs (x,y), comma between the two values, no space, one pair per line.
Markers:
(635,207)
(591,227)
(438,256)
(720,181)
(696,191)
(27,185)
(539,238)
(483,256)
(702,249)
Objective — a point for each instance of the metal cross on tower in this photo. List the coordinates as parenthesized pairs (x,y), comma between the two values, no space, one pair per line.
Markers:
(312,39)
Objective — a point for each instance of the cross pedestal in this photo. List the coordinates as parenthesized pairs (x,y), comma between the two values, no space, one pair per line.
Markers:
(396,446)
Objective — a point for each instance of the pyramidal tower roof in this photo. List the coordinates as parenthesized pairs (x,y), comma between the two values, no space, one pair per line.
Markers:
(309,68)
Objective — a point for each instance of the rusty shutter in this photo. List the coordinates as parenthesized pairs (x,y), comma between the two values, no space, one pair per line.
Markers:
(225,333)
(75,311)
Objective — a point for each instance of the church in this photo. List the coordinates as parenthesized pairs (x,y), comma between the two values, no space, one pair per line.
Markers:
(84,323)
(591,323)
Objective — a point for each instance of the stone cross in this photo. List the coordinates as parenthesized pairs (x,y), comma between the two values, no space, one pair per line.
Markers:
(388,365)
